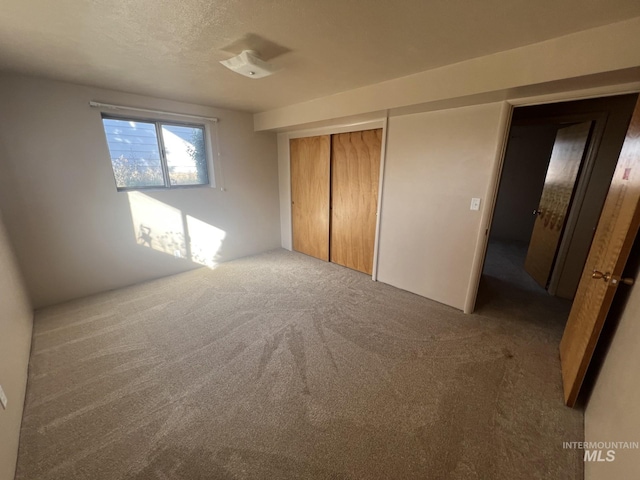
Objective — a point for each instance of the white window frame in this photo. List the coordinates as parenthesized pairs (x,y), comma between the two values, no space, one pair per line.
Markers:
(158,123)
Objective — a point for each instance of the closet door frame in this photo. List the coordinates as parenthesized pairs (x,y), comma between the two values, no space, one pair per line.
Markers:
(284,167)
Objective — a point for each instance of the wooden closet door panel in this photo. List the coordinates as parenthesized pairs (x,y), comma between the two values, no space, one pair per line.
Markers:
(310,163)
(355,174)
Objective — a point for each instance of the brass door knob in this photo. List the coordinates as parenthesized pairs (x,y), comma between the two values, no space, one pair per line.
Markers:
(599,275)
(614,280)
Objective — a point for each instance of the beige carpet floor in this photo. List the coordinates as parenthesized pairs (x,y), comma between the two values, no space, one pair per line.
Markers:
(280,366)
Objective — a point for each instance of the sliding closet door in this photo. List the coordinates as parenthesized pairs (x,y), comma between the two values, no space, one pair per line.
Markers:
(310,164)
(355,172)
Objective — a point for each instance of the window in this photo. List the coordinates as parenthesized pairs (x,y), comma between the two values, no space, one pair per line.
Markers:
(155,154)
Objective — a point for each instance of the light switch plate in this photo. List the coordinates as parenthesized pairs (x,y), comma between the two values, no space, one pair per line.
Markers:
(475,204)
(3,398)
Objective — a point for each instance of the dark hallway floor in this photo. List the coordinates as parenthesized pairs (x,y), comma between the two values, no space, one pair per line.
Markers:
(507,287)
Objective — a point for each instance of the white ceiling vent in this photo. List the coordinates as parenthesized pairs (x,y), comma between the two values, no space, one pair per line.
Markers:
(249,64)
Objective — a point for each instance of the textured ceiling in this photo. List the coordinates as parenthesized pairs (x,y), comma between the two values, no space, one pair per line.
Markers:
(171,48)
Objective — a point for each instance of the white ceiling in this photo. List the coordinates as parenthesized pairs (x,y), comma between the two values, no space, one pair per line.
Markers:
(171,48)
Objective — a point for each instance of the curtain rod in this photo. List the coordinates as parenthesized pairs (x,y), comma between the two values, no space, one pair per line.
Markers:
(147,110)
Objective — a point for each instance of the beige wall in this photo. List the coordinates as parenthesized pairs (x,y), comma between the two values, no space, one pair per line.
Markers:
(435,163)
(587,59)
(74,234)
(613,411)
(284,175)
(16,319)
(587,64)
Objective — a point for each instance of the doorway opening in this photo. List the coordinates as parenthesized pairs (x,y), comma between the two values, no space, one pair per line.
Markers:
(557,168)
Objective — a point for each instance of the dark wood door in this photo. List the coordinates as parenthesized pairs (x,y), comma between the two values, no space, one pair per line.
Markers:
(564,165)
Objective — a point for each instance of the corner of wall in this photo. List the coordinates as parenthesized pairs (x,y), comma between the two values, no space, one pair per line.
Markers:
(16,323)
